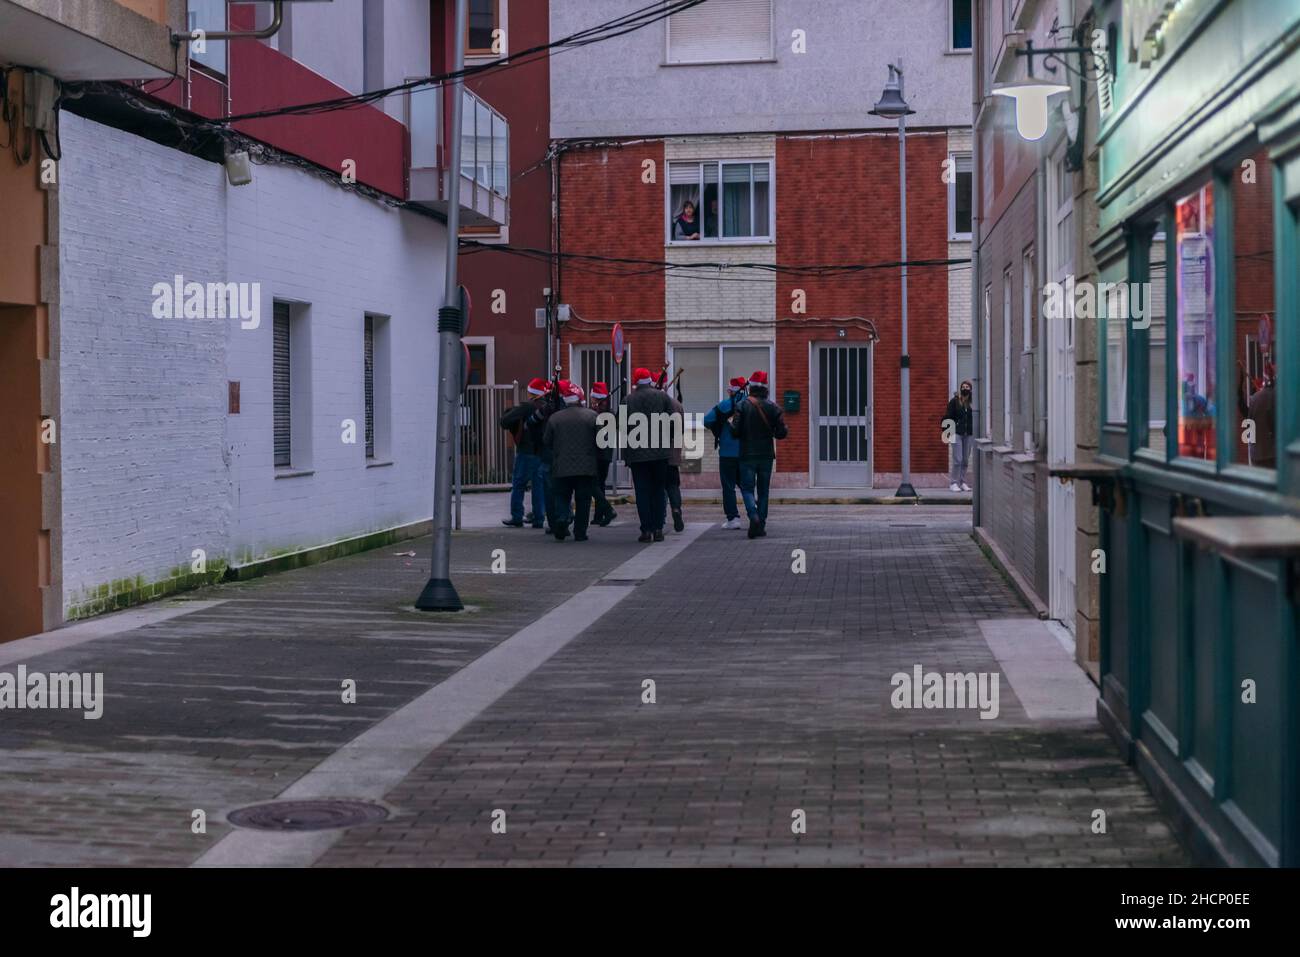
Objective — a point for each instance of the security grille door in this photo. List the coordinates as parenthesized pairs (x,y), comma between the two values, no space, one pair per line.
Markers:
(841,420)
(596,364)
(280,386)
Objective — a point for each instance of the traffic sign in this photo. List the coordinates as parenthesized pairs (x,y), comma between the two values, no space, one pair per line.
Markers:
(464,310)
(616,343)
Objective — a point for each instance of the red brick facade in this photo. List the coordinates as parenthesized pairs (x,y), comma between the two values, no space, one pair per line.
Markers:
(836,202)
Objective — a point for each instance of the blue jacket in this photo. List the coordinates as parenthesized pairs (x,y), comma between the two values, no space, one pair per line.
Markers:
(728,444)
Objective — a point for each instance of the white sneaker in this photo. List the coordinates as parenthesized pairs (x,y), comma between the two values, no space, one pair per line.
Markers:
(965,487)
(731,523)
(954,487)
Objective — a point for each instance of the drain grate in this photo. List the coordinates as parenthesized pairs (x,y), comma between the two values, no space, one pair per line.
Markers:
(306,815)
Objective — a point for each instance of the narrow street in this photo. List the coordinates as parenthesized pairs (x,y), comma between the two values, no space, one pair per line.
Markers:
(772,695)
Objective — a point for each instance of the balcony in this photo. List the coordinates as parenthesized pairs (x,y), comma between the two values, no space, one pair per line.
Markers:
(484,155)
(89,39)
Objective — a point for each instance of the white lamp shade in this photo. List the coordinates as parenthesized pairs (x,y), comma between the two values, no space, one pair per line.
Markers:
(1031,104)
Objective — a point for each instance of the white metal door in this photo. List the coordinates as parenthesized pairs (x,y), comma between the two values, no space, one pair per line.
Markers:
(841,415)
(1061,520)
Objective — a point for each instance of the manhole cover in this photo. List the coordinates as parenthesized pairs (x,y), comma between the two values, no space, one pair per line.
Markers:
(306,815)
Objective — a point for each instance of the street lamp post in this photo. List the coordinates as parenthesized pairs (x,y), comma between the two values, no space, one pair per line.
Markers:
(892,105)
(439,593)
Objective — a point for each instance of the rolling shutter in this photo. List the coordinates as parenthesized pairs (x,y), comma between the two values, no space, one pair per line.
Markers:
(280,386)
(721,30)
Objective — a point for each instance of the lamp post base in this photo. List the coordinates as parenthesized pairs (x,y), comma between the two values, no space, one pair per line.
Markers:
(906,491)
(439,595)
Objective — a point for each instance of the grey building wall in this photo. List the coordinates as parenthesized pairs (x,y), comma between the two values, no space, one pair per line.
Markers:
(621,87)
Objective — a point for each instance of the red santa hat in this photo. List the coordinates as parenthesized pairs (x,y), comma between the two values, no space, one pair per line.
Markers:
(599,391)
(739,382)
(538,386)
(759,378)
(642,376)
(569,392)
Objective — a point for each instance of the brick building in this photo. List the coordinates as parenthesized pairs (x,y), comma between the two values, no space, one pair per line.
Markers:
(757,113)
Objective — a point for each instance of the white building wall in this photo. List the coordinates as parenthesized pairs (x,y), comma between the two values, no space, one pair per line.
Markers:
(621,87)
(153,466)
(309,242)
(144,400)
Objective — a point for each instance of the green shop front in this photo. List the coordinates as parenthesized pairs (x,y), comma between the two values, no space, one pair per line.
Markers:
(1198,471)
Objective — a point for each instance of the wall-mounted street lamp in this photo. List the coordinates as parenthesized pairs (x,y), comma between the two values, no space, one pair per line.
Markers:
(1031,94)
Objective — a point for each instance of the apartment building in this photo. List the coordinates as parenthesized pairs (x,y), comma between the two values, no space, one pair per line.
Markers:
(756,113)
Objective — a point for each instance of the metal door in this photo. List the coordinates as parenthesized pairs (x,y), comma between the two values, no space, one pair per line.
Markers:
(841,416)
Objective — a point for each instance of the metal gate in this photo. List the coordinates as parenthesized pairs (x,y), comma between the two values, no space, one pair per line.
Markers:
(841,419)
(487,454)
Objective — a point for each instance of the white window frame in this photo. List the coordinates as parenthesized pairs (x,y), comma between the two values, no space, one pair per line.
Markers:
(720,240)
(1006,356)
(490,354)
(987,343)
(722,389)
(768,58)
(957,158)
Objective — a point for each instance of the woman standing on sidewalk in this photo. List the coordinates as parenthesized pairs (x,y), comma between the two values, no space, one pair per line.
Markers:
(959,412)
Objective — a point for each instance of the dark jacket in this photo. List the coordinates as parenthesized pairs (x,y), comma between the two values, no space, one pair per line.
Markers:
(515,422)
(962,416)
(603,455)
(543,408)
(646,400)
(759,431)
(571,436)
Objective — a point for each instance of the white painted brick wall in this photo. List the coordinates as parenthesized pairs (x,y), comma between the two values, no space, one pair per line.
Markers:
(144,479)
(152,465)
(720,305)
(308,241)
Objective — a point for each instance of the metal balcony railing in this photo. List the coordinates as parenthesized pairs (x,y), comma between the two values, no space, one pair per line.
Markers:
(484,157)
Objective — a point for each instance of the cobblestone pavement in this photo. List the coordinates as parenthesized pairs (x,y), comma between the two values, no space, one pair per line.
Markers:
(772,696)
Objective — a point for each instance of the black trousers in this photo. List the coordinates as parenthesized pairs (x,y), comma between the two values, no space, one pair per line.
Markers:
(603,507)
(650,480)
(578,488)
(673,486)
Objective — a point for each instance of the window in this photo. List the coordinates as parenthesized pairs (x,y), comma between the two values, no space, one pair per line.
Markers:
(282,388)
(706,370)
(960,35)
(1116,364)
(1027,284)
(1196,339)
(720,201)
(210,16)
(1148,305)
(1254,316)
(721,31)
(1006,356)
(378,387)
(484,20)
(959,198)
(291,385)
(986,344)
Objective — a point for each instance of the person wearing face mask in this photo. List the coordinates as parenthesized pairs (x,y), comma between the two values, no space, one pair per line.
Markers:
(959,412)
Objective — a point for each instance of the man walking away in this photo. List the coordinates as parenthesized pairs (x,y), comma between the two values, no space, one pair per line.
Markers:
(604,458)
(758,425)
(571,436)
(649,464)
(715,420)
(528,460)
(547,405)
(959,411)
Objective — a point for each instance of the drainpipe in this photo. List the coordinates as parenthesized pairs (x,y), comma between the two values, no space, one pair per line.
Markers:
(977,199)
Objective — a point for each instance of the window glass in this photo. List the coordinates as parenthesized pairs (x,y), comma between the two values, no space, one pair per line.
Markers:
(482,21)
(960,196)
(961,24)
(1194,302)
(209,16)
(1148,305)
(737,200)
(719,200)
(1254,316)
(1116,364)
(699,381)
(684,201)
(746,360)
(710,201)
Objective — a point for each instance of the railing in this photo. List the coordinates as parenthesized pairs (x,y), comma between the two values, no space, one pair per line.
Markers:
(484,153)
(487,453)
